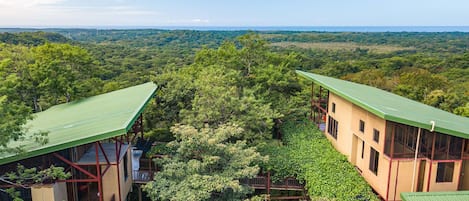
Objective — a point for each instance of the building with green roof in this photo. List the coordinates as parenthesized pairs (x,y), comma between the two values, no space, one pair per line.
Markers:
(91,138)
(436,196)
(397,144)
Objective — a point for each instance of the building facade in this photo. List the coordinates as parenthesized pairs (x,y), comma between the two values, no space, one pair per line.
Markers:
(396,144)
(92,139)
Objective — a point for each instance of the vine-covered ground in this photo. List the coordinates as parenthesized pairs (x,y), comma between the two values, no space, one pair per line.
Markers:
(308,155)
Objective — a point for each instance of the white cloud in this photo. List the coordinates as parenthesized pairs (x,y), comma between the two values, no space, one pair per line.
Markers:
(27,3)
(58,13)
(200,21)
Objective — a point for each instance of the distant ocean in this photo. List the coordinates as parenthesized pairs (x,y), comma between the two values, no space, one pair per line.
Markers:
(272,28)
(328,28)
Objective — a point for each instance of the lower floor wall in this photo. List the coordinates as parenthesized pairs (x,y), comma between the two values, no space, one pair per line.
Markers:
(406,175)
(49,192)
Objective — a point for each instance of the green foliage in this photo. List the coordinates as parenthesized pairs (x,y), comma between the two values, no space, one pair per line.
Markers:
(206,166)
(12,116)
(32,38)
(247,86)
(463,110)
(46,75)
(27,176)
(218,101)
(310,157)
(417,84)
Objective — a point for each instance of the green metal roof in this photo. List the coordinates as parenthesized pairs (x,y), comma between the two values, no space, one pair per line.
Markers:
(84,121)
(436,196)
(392,107)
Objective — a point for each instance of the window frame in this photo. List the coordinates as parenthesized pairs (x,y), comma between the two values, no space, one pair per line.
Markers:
(376,135)
(374,161)
(125,162)
(361,126)
(443,175)
(333,127)
(363,149)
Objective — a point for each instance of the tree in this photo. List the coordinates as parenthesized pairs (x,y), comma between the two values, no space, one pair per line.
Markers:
(60,69)
(418,83)
(218,101)
(12,117)
(205,165)
(47,74)
(269,75)
(463,110)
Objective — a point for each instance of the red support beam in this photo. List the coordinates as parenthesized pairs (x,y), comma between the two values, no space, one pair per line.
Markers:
(104,153)
(393,130)
(75,166)
(397,177)
(78,180)
(118,151)
(98,171)
(431,161)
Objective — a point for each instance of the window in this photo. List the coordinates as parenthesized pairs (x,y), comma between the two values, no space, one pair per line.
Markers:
(333,127)
(333,107)
(362,126)
(363,148)
(444,172)
(376,135)
(126,168)
(374,159)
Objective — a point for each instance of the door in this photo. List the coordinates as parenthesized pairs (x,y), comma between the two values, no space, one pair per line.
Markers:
(464,176)
(421,176)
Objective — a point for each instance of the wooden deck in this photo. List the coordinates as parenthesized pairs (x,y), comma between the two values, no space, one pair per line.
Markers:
(142,176)
(262,182)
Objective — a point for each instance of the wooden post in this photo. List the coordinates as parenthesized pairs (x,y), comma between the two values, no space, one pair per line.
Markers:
(98,173)
(431,161)
(312,102)
(139,192)
(268,183)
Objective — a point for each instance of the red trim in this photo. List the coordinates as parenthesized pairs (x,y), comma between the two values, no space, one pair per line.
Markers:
(98,171)
(78,180)
(462,148)
(429,175)
(459,173)
(397,177)
(415,186)
(443,161)
(118,152)
(431,163)
(75,166)
(107,168)
(390,163)
(104,153)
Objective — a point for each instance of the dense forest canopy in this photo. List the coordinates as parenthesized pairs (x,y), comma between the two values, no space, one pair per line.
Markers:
(210,79)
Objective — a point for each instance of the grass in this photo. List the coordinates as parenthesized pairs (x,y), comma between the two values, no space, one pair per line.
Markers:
(348,46)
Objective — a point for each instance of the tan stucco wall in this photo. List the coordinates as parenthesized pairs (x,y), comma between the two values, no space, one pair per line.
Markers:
(110,183)
(126,185)
(402,173)
(445,186)
(49,192)
(343,114)
(349,140)
(110,180)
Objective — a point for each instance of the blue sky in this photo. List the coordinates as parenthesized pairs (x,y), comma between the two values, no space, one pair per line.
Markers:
(70,13)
